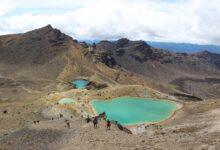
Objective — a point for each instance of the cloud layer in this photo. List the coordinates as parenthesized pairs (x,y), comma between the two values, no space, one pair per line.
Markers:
(194,21)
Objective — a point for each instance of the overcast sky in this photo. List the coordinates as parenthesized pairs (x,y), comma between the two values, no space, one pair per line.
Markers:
(193,21)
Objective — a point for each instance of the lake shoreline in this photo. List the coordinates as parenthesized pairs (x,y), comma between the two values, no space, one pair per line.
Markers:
(178,107)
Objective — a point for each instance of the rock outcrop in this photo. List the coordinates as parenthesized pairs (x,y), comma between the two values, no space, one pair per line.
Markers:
(164,67)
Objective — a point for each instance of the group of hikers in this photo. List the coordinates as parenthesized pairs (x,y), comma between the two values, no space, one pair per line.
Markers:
(95,120)
(36,122)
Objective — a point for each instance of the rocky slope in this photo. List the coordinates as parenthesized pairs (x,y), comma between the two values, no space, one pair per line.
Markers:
(48,54)
(189,72)
(37,63)
(35,68)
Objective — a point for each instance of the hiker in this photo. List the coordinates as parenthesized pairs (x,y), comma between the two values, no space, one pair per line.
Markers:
(5,111)
(88,119)
(108,124)
(34,122)
(95,122)
(68,125)
(38,121)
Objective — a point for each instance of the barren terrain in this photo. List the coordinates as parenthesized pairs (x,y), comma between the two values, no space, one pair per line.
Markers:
(36,68)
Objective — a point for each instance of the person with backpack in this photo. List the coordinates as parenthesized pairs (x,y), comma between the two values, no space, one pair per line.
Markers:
(95,122)
(88,119)
(68,125)
(108,124)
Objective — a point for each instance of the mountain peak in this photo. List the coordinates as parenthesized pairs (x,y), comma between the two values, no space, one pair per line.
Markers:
(122,42)
(44,29)
(47,31)
(47,27)
(38,46)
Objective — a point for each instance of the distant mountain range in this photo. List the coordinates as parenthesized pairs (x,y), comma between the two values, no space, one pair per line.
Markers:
(185,47)
(178,47)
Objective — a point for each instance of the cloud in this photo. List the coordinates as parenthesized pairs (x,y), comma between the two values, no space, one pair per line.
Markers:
(156,20)
(4,8)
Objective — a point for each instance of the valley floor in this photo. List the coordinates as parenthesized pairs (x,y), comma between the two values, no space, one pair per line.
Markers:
(195,126)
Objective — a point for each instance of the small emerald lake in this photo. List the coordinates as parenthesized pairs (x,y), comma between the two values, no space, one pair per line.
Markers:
(133,110)
(80,83)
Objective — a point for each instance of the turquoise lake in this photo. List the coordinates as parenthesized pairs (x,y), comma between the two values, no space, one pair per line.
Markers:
(80,83)
(132,110)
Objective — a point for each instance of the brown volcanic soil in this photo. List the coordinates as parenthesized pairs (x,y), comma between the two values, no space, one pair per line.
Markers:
(36,63)
(207,87)
(35,68)
(163,67)
(47,54)
(196,126)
